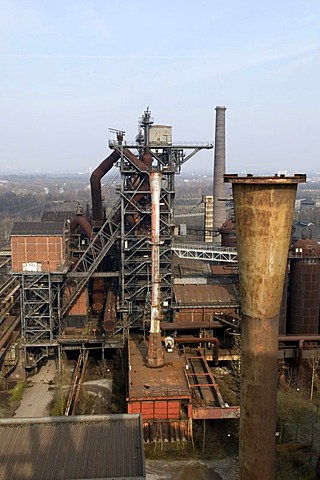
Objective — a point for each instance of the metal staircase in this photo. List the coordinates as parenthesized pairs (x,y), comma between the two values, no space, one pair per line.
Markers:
(92,256)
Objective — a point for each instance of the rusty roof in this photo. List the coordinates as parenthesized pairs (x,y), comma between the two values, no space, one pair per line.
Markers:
(184,267)
(81,447)
(204,295)
(224,270)
(37,228)
(144,382)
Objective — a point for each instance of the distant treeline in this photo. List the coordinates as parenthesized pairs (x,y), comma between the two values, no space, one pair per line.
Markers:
(12,204)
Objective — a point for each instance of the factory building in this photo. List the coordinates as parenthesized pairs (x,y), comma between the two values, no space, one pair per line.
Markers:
(119,277)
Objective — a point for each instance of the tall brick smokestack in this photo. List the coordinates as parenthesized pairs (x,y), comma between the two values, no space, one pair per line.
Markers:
(219,190)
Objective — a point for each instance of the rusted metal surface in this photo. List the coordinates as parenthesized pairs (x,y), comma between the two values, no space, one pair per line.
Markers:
(83,223)
(263,215)
(201,341)
(151,390)
(200,303)
(169,326)
(168,431)
(156,409)
(215,413)
(201,381)
(110,312)
(80,306)
(97,295)
(224,270)
(304,296)
(283,307)
(134,160)
(219,211)
(13,325)
(155,352)
(205,295)
(184,267)
(75,386)
(228,234)
(95,181)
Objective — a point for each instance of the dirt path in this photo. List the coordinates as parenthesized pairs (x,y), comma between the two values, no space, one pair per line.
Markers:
(38,393)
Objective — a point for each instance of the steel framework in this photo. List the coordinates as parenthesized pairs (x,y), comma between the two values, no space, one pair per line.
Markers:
(205,252)
(126,233)
(135,224)
(41,312)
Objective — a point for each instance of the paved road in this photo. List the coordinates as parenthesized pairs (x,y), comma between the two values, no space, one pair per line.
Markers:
(37,396)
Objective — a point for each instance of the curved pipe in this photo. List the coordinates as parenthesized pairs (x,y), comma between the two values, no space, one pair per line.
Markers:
(202,340)
(300,339)
(82,222)
(95,182)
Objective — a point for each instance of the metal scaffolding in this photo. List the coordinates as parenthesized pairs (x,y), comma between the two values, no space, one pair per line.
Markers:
(41,312)
(135,223)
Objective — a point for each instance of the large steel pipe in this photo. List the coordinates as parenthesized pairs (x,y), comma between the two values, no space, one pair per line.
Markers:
(79,220)
(95,181)
(219,210)
(155,356)
(263,216)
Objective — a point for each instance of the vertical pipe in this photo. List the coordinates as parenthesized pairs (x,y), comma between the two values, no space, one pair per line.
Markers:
(219,213)
(263,215)
(155,351)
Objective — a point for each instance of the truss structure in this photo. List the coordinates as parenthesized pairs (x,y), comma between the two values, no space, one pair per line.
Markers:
(205,252)
(135,244)
(40,313)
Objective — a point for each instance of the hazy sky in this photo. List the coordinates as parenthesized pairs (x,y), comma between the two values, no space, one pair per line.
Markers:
(72,69)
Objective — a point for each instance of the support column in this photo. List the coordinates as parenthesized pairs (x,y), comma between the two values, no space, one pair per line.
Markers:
(155,356)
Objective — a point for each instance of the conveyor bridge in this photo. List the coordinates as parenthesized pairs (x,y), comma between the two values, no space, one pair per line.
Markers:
(205,252)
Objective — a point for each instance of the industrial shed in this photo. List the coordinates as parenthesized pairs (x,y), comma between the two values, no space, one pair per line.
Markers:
(81,447)
(200,303)
(38,247)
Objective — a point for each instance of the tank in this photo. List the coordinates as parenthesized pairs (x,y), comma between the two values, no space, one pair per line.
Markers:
(283,307)
(97,295)
(304,297)
(228,234)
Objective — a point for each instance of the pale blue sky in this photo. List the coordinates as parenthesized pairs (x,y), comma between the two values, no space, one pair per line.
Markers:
(71,69)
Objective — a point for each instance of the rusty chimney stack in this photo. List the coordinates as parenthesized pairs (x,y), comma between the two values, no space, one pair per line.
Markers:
(263,215)
(219,210)
(155,356)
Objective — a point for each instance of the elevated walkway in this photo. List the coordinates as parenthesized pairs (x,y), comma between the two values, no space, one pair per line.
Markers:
(204,251)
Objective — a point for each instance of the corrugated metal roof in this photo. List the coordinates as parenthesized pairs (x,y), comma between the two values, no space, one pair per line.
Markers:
(184,267)
(82,447)
(214,294)
(53,216)
(38,228)
(223,269)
